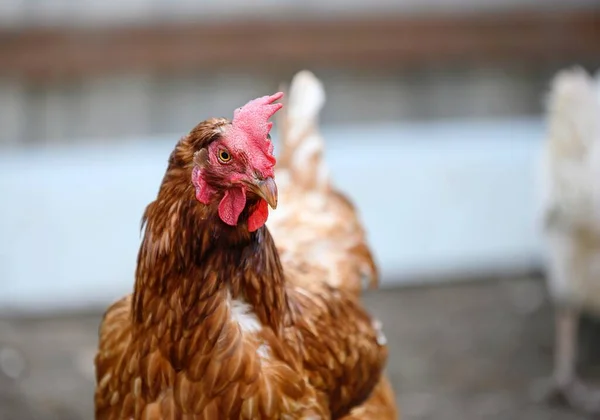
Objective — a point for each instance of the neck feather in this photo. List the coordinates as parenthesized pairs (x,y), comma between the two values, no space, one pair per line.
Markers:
(189,262)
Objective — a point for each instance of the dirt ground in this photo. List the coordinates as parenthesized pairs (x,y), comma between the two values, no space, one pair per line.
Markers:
(460,352)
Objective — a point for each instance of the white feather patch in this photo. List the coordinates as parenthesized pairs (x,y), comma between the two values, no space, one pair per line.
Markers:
(264,351)
(381,338)
(243,314)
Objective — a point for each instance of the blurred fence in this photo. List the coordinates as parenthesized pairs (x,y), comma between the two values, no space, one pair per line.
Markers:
(75,71)
(115,108)
(115,12)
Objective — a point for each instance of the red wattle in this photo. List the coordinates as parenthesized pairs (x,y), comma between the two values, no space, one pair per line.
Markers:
(231,206)
(259,216)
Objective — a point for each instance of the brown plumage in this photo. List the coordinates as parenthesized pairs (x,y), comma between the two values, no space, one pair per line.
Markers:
(217,325)
(316,225)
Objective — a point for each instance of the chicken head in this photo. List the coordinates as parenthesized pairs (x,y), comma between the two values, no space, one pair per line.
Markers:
(235,171)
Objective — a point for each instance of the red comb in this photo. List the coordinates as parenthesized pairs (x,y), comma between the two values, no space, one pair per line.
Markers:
(251,123)
(253,118)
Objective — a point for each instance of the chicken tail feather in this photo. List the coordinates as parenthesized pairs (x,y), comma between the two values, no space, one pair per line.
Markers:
(301,142)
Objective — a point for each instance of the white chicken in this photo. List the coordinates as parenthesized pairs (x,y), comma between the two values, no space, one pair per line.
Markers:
(570,211)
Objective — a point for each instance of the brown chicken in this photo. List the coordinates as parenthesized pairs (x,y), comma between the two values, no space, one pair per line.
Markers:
(316,226)
(218,326)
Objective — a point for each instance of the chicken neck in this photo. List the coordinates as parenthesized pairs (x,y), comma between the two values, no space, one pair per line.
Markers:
(190,264)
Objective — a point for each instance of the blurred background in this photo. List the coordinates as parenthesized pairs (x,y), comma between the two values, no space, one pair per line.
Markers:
(433,124)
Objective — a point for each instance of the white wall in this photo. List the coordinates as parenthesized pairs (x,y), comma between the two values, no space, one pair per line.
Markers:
(438,199)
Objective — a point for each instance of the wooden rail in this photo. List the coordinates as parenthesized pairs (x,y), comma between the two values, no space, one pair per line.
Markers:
(524,37)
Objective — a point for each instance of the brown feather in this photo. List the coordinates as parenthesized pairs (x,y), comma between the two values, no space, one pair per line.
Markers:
(175,349)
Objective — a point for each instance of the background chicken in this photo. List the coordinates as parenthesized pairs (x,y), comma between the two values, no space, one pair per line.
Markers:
(316,228)
(571,215)
(316,223)
(219,326)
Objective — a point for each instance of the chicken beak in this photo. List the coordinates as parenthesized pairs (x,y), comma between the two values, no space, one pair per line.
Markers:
(266,189)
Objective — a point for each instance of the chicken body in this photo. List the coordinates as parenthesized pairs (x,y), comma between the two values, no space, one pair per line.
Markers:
(316,228)
(571,216)
(222,325)
(235,368)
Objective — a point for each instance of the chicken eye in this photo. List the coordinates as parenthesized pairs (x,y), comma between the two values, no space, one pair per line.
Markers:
(224,156)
